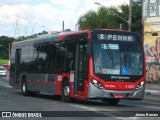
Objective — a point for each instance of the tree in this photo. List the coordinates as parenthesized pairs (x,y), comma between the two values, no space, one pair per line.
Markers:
(124,13)
(137,17)
(88,20)
(106,17)
(136,25)
(5,42)
(103,18)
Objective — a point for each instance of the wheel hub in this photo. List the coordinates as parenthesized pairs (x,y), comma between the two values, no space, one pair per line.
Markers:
(66,91)
(24,88)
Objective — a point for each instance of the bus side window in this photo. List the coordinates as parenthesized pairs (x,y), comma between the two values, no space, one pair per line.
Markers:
(41,58)
(51,58)
(69,62)
(60,57)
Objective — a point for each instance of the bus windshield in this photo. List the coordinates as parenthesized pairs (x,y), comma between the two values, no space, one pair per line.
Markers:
(117,59)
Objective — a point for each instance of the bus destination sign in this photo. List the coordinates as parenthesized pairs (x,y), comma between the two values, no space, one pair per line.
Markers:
(116,37)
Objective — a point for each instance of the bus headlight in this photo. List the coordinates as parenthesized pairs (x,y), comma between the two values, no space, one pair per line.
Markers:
(140,85)
(97,84)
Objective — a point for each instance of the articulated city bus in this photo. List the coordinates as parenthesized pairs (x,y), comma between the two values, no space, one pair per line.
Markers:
(89,64)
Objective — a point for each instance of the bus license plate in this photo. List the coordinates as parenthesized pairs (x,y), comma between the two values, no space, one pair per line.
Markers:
(118,95)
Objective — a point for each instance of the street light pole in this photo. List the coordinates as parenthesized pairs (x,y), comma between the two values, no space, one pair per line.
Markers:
(130,15)
(63,25)
(130,11)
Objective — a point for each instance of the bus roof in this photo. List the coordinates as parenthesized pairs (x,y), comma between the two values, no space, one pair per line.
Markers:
(60,36)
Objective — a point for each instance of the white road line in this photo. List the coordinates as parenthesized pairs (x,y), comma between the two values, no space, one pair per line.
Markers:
(4,85)
(156,92)
(145,106)
(98,110)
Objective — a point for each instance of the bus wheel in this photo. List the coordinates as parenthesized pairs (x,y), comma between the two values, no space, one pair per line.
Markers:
(111,101)
(24,88)
(65,92)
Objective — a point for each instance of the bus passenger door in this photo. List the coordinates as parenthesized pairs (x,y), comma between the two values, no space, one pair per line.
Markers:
(17,68)
(80,67)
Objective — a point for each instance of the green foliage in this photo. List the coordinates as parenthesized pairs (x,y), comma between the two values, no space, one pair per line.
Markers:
(31,37)
(4,46)
(34,36)
(107,17)
(103,18)
(124,14)
(137,17)
(88,20)
(3,61)
(5,42)
(136,25)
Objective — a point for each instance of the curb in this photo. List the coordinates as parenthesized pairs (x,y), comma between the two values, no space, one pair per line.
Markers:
(152,96)
(151,100)
(153,92)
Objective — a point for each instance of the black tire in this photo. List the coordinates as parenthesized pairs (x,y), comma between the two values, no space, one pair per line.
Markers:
(111,101)
(66,91)
(25,92)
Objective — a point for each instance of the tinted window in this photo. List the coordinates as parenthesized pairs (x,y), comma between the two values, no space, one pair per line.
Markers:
(70,52)
(60,57)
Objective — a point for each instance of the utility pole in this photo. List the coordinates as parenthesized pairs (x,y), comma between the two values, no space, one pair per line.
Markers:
(32,25)
(129,21)
(130,15)
(63,25)
(17,27)
(25,30)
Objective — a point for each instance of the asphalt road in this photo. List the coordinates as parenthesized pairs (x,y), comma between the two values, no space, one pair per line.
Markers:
(11,100)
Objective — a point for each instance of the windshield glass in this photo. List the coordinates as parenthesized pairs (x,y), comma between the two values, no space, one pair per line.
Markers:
(2,69)
(117,59)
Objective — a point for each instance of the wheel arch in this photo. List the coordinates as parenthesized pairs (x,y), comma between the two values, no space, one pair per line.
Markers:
(23,78)
(65,91)
(63,80)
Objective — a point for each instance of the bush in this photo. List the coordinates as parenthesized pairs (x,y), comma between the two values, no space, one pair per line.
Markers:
(3,61)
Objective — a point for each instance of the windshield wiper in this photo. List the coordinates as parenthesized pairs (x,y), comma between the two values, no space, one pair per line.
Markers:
(140,70)
(125,54)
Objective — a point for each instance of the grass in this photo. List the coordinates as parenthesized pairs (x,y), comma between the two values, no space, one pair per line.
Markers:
(3,61)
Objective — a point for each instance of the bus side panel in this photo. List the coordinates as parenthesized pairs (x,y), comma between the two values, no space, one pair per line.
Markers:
(15,69)
(86,89)
(71,79)
(59,78)
(44,83)
(12,63)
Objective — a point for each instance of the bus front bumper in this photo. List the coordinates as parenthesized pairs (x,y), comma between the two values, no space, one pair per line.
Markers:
(95,92)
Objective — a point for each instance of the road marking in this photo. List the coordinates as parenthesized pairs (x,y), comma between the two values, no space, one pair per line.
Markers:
(152,92)
(144,106)
(102,111)
(98,110)
(4,85)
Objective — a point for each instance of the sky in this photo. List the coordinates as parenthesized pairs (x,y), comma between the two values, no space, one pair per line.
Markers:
(27,17)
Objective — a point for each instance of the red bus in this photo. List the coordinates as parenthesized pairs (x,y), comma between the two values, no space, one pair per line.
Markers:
(89,64)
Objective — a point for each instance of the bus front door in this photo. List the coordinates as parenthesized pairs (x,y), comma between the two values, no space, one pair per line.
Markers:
(17,68)
(80,67)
